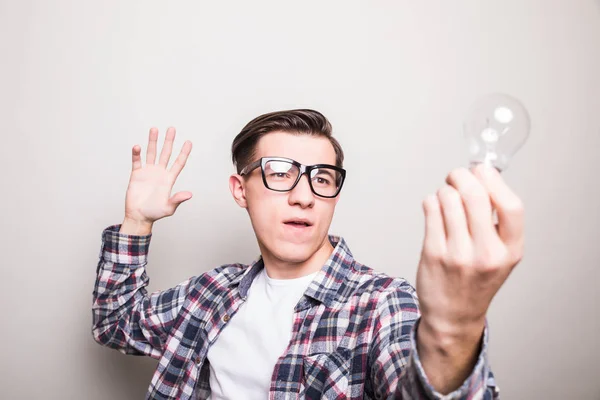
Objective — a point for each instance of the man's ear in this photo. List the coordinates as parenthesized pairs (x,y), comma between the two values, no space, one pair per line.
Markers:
(236,185)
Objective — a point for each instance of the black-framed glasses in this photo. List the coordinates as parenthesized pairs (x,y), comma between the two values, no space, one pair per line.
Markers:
(283,174)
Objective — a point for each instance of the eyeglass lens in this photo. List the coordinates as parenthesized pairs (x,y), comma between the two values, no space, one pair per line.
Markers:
(281,175)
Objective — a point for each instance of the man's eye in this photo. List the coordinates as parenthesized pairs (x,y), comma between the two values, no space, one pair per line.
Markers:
(279,175)
(322,181)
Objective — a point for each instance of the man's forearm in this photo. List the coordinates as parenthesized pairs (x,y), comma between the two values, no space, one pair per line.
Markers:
(122,315)
(448,358)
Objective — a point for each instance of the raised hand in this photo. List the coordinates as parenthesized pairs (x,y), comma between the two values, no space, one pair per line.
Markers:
(465,260)
(148,196)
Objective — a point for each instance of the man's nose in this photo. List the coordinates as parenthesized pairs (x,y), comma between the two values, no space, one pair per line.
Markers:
(301,194)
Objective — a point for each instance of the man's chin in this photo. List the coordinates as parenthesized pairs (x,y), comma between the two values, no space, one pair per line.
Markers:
(293,252)
(293,257)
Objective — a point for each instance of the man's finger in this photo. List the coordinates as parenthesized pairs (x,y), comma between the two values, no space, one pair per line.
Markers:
(181,159)
(507,204)
(435,236)
(477,204)
(455,220)
(136,159)
(165,154)
(179,198)
(151,151)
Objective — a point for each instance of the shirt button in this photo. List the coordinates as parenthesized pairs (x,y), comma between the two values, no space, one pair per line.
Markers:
(226,317)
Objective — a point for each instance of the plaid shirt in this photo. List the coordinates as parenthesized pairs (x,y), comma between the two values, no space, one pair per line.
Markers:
(354,333)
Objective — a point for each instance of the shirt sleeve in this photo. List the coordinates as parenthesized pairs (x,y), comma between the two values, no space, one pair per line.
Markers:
(396,369)
(125,317)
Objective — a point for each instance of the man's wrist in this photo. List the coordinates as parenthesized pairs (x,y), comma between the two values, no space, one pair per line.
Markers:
(448,338)
(448,355)
(452,331)
(132,227)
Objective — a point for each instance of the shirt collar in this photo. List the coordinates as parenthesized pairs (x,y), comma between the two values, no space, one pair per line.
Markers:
(329,283)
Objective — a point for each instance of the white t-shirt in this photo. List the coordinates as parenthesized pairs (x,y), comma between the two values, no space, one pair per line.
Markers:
(243,357)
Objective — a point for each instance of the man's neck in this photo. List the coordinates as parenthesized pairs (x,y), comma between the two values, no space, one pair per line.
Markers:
(280,269)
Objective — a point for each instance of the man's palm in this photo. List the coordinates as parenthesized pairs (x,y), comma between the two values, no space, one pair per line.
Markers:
(148,197)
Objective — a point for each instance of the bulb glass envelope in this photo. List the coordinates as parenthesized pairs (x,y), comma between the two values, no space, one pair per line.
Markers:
(495,127)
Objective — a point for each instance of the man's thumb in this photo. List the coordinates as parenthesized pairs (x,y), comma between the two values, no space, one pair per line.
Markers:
(179,198)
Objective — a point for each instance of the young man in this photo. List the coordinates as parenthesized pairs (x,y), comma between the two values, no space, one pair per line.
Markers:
(306,320)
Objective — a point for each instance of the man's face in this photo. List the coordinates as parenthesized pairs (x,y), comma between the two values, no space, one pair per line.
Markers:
(272,213)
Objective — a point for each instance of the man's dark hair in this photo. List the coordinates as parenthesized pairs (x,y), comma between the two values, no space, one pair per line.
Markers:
(300,122)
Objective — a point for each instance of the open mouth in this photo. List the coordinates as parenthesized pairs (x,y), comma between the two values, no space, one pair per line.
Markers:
(299,224)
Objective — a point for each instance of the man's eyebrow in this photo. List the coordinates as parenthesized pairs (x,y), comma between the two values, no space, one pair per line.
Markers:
(324,171)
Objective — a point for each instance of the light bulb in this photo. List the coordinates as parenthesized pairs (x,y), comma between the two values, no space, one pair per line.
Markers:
(495,127)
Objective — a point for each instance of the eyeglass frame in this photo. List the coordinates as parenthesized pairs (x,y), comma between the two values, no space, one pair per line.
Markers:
(304,169)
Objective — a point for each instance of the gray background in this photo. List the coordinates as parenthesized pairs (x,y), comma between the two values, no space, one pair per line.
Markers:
(81,82)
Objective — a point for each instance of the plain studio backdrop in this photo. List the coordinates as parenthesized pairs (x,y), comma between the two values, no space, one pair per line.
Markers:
(82,82)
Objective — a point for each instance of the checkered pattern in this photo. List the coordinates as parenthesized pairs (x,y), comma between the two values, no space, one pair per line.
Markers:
(354,334)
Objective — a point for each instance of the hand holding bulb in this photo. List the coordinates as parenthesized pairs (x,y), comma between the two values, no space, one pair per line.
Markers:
(466,255)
